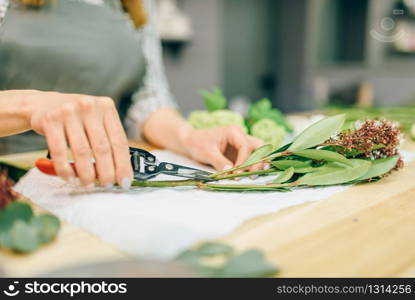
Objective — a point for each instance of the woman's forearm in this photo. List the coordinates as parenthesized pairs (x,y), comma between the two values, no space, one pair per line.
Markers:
(14,112)
(166,128)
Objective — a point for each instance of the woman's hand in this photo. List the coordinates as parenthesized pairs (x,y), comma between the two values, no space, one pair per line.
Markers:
(91,127)
(222,148)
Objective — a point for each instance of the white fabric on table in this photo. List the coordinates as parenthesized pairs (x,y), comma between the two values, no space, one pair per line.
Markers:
(159,223)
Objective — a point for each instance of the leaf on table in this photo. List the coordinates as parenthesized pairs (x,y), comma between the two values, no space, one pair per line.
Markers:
(284,176)
(317,133)
(335,173)
(25,237)
(380,166)
(326,155)
(47,227)
(14,211)
(210,249)
(251,263)
(258,155)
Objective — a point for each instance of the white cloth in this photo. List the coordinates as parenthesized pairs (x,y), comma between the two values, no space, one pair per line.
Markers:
(159,223)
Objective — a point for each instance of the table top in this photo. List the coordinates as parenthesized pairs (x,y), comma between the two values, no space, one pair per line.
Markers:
(366,230)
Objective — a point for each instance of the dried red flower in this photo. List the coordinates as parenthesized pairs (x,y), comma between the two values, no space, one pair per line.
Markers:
(7,195)
(371,139)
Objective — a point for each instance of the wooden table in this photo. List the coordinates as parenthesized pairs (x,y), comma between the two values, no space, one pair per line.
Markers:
(367,230)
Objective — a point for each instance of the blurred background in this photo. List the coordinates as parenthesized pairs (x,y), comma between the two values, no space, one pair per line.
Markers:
(301,54)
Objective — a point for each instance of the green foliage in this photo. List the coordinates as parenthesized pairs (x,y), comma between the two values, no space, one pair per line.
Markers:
(21,231)
(323,155)
(214,100)
(262,109)
(317,133)
(412,132)
(258,155)
(284,176)
(203,119)
(335,173)
(251,263)
(268,131)
(379,167)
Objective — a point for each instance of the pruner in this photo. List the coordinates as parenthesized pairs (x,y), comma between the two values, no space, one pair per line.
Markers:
(145,166)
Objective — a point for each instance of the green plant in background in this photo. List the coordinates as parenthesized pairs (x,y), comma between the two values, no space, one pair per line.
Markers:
(323,154)
(262,121)
(262,109)
(204,261)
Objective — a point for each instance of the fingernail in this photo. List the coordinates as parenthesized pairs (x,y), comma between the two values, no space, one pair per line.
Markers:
(108,186)
(267,166)
(227,167)
(90,186)
(253,177)
(126,183)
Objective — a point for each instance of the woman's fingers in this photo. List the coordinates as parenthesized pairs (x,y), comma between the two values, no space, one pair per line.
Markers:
(255,143)
(216,158)
(78,142)
(119,144)
(239,141)
(93,119)
(55,136)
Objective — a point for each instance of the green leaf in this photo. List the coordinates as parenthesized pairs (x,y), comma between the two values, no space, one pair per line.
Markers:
(214,100)
(323,155)
(189,257)
(258,155)
(15,211)
(380,167)
(47,227)
(285,164)
(335,173)
(211,249)
(284,176)
(317,133)
(251,263)
(25,237)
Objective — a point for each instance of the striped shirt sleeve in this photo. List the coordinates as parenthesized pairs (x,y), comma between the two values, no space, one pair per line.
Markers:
(154,93)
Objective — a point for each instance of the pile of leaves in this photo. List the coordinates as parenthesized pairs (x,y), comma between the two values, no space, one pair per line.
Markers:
(323,154)
(220,260)
(262,121)
(20,230)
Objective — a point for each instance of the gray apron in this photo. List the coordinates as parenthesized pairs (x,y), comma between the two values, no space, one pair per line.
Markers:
(71,47)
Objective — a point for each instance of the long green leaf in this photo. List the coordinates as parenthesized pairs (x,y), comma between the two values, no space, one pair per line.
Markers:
(259,154)
(285,164)
(335,173)
(284,176)
(317,133)
(380,167)
(323,155)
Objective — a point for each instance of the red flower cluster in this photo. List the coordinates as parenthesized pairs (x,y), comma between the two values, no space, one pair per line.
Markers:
(372,139)
(7,195)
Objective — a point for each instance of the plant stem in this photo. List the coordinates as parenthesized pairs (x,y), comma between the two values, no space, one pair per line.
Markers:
(244,166)
(245,186)
(166,183)
(235,175)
